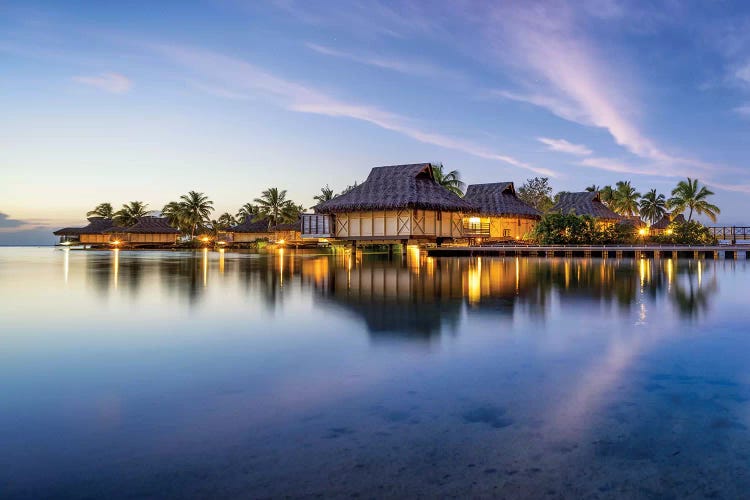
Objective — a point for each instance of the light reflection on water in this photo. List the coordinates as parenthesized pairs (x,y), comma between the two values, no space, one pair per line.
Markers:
(234,374)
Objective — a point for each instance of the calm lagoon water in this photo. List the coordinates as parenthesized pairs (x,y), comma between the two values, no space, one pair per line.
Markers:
(207,374)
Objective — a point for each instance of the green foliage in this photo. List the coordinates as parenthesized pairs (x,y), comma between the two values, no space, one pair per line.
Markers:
(652,206)
(129,213)
(572,229)
(450,180)
(326,194)
(624,199)
(536,192)
(247,210)
(686,233)
(275,208)
(102,210)
(688,196)
(191,214)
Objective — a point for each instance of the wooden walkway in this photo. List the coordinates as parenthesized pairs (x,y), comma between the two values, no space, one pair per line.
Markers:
(601,251)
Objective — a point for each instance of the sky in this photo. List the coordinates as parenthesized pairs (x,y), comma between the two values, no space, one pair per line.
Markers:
(121,101)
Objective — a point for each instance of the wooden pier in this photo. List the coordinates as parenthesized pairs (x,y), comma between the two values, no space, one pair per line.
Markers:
(715,252)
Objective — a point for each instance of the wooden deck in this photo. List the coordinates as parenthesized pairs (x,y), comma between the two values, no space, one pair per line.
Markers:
(600,251)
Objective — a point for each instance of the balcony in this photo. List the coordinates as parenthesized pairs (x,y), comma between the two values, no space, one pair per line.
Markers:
(316,226)
(477,229)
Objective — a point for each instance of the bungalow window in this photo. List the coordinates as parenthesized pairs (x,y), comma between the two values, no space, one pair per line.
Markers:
(506,232)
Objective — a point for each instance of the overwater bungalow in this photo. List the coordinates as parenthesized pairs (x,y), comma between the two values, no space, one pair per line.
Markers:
(95,233)
(396,204)
(250,231)
(662,225)
(290,233)
(586,203)
(499,213)
(148,231)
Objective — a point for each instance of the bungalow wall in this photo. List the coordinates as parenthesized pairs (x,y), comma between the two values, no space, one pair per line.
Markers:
(510,227)
(251,237)
(151,238)
(94,238)
(398,224)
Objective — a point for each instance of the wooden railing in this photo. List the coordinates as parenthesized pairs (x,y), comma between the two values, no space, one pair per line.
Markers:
(481,230)
(732,233)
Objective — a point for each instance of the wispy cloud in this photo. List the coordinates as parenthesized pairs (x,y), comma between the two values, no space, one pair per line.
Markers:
(114,83)
(563,146)
(230,72)
(416,68)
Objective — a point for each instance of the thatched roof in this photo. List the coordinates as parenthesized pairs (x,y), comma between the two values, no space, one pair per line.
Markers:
(96,225)
(667,219)
(396,187)
(292,226)
(633,220)
(499,199)
(584,203)
(147,225)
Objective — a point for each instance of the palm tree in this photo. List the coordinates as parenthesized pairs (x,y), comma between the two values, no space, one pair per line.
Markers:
(625,198)
(450,181)
(173,212)
(653,206)
(129,213)
(196,209)
(271,205)
(326,194)
(687,196)
(247,210)
(348,188)
(102,210)
(605,194)
(226,220)
(593,188)
(290,213)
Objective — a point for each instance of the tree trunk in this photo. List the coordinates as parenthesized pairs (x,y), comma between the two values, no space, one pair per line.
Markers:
(690,216)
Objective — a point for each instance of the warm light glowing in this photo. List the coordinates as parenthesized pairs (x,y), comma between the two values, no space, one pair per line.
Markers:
(222,243)
(700,274)
(281,266)
(116,266)
(205,267)
(475,281)
(669,231)
(474,220)
(66,264)
(116,242)
(281,242)
(205,239)
(642,232)
(221,260)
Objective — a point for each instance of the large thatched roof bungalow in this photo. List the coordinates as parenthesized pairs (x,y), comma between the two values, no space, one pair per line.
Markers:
(586,203)
(396,203)
(498,213)
(148,231)
(95,233)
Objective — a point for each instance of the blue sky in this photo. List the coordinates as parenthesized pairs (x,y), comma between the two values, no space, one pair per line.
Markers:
(120,101)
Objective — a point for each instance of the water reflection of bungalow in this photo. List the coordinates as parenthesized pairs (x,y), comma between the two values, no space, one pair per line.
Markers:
(95,233)
(148,231)
(500,214)
(396,204)
(585,203)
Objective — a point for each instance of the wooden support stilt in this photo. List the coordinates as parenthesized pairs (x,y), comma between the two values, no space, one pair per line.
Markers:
(674,254)
(618,254)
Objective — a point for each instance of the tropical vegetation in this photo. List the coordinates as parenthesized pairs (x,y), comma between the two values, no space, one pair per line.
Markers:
(572,229)
(652,206)
(191,214)
(537,193)
(130,212)
(449,180)
(690,196)
(102,210)
(274,207)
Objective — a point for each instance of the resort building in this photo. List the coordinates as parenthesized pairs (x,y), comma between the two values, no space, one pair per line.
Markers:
(148,231)
(396,204)
(586,203)
(92,234)
(249,231)
(498,213)
(662,225)
(252,231)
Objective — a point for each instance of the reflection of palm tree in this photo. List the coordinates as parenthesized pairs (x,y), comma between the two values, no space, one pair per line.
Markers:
(129,213)
(691,300)
(687,196)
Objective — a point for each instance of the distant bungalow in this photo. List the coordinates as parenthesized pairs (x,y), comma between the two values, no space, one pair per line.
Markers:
(396,204)
(251,231)
(586,203)
(660,227)
(148,231)
(498,213)
(95,233)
